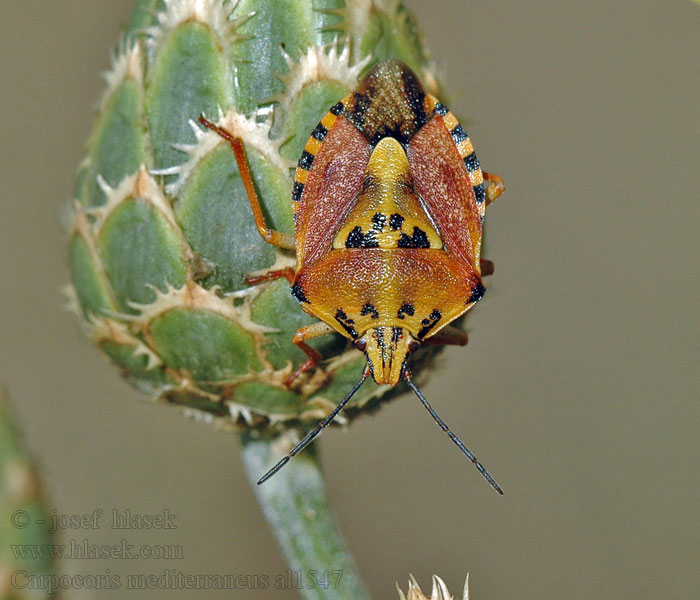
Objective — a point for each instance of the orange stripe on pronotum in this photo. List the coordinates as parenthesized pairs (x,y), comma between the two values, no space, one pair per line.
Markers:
(389,201)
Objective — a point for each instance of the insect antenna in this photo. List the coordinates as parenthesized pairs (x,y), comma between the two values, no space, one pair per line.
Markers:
(452,436)
(313,433)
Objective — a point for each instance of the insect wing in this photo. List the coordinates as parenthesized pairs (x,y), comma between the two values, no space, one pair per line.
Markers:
(446,189)
(327,182)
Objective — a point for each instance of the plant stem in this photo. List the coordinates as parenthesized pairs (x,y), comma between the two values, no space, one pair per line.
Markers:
(295,504)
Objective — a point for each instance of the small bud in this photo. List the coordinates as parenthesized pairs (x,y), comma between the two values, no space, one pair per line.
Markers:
(439,591)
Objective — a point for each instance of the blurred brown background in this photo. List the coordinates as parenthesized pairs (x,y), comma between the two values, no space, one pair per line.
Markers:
(579,389)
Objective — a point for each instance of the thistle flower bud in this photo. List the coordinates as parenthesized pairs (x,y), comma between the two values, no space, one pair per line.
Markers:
(162,236)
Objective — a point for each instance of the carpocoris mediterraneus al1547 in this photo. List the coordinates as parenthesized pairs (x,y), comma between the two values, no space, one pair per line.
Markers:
(389,203)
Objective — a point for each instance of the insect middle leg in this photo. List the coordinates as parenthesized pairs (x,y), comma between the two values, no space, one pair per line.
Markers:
(496,188)
(448,336)
(287,273)
(302,335)
(271,236)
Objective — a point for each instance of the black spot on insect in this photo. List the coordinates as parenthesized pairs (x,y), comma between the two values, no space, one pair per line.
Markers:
(338,109)
(424,330)
(319,132)
(429,322)
(379,221)
(360,105)
(477,293)
(419,239)
(480,193)
(406,309)
(416,96)
(440,109)
(396,334)
(345,322)
(458,134)
(405,241)
(357,239)
(395,221)
(297,191)
(306,160)
(298,294)
(369,309)
(340,314)
(472,162)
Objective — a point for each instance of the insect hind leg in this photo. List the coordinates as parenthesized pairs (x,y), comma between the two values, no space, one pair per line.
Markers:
(496,188)
(271,236)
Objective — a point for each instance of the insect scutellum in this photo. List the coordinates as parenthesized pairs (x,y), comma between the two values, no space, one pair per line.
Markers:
(388,201)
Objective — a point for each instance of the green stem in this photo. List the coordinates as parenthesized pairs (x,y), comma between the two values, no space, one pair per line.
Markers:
(295,505)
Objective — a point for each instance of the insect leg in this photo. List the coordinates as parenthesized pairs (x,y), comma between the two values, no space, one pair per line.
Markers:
(449,336)
(308,438)
(288,273)
(496,188)
(300,337)
(487,267)
(271,236)
(452,436)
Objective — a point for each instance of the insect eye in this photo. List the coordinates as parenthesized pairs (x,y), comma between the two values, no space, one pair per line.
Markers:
(413,345)
(361,345)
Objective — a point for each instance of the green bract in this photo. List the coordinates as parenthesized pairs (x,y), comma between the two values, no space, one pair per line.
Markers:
(162,234)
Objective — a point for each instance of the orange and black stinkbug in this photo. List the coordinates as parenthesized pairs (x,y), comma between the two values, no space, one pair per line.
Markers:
(389,203)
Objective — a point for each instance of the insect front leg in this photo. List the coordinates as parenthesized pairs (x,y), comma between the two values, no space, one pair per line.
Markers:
(496,188)
(302,335)
(271,236)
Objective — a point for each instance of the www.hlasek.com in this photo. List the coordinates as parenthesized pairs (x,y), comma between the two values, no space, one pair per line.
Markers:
(84,550)
(171,579)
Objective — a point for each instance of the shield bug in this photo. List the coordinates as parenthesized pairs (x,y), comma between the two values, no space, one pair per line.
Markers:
(389,203)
